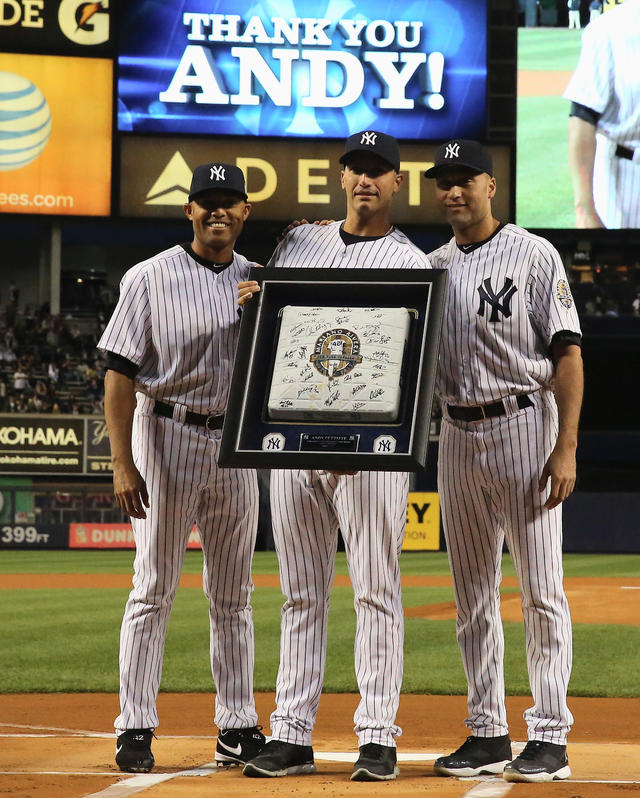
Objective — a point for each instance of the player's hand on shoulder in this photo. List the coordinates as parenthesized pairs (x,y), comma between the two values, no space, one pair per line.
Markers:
(298,222)
(130,489)
(246,290)
(292,226)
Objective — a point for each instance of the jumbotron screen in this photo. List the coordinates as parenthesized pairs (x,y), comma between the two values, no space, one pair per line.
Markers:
(584,171)
(304,69)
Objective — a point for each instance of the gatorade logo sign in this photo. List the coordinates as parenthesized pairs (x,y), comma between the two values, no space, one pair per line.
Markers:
(70,25)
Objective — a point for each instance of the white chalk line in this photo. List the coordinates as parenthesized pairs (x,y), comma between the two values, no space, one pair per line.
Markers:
(493,789)
(87,733)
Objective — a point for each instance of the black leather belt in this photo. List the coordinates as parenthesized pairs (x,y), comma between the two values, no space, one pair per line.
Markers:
(624,152)
(479,412)
(201,419)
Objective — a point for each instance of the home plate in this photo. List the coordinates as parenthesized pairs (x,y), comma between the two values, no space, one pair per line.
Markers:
(341,756)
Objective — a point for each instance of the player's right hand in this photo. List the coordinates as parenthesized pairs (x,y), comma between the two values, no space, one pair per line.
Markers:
(130,490)
(246,290)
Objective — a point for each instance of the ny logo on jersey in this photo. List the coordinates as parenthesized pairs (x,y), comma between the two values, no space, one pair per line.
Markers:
(488,295)
(368,137)
(452,151)
(217,173)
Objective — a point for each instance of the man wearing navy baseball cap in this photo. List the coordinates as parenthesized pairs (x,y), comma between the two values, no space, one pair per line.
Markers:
(465,185)
(510,382)
(218,209)
(170,345)
(369,507)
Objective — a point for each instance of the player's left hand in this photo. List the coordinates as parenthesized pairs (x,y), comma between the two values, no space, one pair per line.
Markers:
(561,468)
(297,222)
(246,290)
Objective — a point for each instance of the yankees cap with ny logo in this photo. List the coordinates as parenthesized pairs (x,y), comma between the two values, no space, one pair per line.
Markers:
(217,176)
(380,144)
(461,152)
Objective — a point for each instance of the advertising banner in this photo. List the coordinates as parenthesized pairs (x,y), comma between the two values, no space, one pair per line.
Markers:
(33,536)
(55,129)
(112,536)
(286,179)
(68,26)
(41,444)
(98,457)
(422,532)
(234,67)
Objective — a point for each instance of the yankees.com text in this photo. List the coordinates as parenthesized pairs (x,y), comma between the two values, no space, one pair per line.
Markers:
(35,200)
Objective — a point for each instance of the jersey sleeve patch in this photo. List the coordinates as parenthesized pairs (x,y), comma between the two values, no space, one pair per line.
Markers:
(563,294)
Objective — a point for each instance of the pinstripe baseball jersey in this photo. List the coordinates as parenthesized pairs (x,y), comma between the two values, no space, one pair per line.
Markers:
(369,508)
(607,80)
(177,320)
(321,246)
(507,298)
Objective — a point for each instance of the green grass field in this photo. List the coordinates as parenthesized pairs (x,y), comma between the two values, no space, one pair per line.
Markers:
(67,640)
(544,197)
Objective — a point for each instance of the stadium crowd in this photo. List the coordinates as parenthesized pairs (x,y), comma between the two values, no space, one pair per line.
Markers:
(49,364)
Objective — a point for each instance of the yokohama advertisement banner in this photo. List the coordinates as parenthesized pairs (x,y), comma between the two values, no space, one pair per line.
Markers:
(54,444)
(41,444)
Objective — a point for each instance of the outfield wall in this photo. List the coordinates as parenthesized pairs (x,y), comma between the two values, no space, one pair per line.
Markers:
(57,510)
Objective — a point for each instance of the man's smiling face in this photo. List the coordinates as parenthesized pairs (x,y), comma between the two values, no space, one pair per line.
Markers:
(218,217)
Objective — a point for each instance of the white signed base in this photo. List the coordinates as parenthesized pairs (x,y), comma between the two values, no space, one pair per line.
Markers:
(339,363)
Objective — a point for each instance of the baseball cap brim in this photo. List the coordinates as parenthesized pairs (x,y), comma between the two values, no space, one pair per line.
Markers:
(196,194)
(436,169)
(344,159)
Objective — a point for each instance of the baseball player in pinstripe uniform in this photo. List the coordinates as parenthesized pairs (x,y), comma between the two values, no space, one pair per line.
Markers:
(171,343)
(604,122)
(510,384)
(308,507)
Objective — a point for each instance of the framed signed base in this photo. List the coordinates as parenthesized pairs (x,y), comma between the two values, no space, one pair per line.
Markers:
(335,369)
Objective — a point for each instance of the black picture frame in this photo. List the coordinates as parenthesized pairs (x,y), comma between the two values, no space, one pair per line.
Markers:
(251,439)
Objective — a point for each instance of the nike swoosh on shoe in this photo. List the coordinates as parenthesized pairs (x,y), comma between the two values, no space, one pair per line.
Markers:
(236,751)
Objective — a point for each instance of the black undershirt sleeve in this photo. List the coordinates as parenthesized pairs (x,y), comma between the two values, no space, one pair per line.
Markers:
(567,337)
(122,365)
(585,113)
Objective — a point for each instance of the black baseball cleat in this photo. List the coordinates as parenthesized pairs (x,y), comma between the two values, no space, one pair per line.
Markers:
(133,751)
(476,756)
(375,763)
(238,746)
(280,759)
(539,761)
